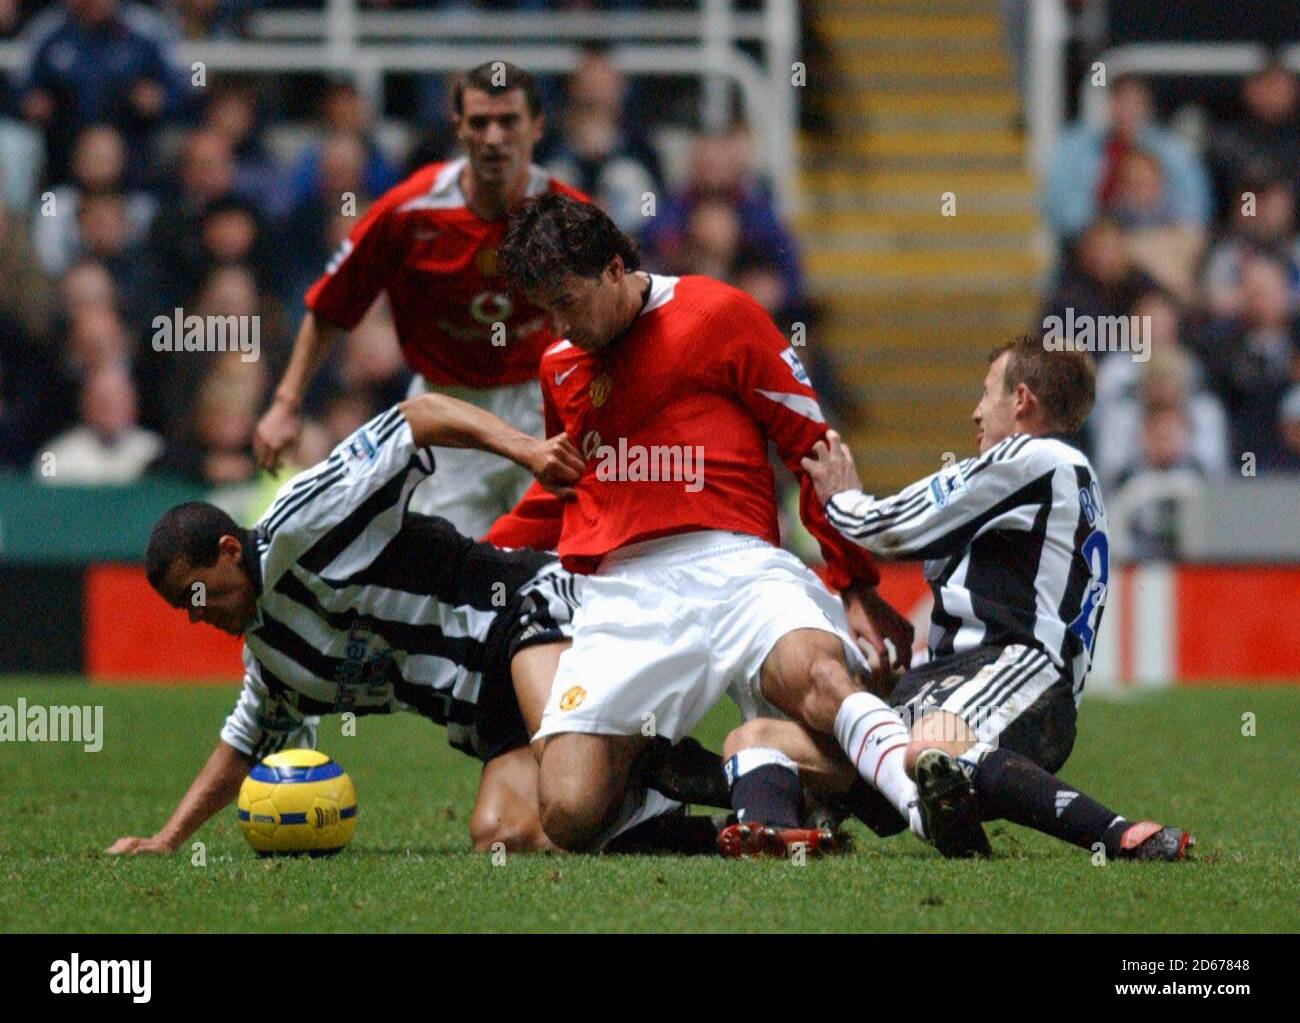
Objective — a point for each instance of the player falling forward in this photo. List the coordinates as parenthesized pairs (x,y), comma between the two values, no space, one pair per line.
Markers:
(430,244)
(688,595)
(1015,546)
(347,602)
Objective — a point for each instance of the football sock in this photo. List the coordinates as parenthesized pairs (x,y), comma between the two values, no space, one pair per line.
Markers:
(671,832)
(686,772)
(875,739)
(873,809)
(765,788)
(638,805)
(1011,786)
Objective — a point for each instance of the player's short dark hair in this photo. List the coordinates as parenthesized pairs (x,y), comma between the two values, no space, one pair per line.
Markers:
(555,234)
(496,78)
(1064,382)
(192,531)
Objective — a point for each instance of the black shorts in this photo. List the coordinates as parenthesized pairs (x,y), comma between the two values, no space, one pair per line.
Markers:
(540,612)
(1011,696)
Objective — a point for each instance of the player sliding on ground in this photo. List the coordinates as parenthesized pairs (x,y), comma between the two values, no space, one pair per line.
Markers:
(672,388)
(348,602)
(1015,546)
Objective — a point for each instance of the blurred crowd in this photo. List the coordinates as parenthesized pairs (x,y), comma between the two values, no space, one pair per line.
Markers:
(1196,233)
(127,192)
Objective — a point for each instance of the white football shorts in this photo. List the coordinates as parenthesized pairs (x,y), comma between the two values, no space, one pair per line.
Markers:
(668,626)
(472,489)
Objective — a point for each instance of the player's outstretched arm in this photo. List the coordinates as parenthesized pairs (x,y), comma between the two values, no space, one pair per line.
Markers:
(440,421)
(216,784)
(280,425)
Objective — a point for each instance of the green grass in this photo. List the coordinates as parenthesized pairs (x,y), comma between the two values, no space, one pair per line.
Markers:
(1178,756)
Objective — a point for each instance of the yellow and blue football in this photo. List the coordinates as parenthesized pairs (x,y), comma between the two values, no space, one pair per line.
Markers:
(297,801)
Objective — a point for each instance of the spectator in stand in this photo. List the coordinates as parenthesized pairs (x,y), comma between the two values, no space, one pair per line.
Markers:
(27,294)
(1265,139)
(1264,226)
(1163,448)
(99,61)
(1098,278)
(1170,375)
(20,367)
(98,166)
(1084,174)
(106,235)
(711,243)
(341,173)
(1154,239)
(216,448)
(232,113)
(342,111)
(1289,413)
(1253,359)
(720,171)
(597,152)
(205,174)
(209,19)
(107,446)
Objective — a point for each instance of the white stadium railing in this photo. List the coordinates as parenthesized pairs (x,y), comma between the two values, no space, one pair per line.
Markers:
(704,44)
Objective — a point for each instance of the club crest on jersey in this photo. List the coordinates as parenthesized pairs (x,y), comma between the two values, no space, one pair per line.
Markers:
(796,367)
(491,307)
(944,488)
(599,390)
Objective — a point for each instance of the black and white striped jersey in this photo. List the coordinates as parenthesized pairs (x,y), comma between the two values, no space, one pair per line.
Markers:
(367,608)
(1014,543)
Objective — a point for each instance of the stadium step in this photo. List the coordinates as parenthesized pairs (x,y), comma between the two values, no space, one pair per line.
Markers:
(912,301)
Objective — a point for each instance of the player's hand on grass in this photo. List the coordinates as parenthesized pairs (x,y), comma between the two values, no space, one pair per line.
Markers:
(131,846)
(831,467)
(275,431)
(557,464)
(883,635)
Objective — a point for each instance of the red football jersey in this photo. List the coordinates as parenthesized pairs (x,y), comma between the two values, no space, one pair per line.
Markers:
(437,261)
(693,392)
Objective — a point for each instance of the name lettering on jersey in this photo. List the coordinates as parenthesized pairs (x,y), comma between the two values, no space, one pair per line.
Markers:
(796,367)
(599,390)
(946,487)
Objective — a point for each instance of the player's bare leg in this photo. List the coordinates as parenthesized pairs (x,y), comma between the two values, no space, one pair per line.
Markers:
(584,786)
(1010,786)
(533,671)
(506,810)
(807,676)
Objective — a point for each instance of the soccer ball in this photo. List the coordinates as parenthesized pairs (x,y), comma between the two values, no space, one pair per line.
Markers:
(297,801)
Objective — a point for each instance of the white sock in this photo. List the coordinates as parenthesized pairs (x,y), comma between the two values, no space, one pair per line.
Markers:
(639,805)
(875,739)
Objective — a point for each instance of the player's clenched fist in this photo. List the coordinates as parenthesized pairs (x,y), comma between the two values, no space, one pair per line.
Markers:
(831,467)
(557,464)
(275,431)
(130,846)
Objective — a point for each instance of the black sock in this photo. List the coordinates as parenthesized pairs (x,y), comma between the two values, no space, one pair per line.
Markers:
(686,772)
(672,832)
(873,809)
(1015,788)
(768,794)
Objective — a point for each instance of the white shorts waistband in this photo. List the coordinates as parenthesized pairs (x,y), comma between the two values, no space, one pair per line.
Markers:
(667,550)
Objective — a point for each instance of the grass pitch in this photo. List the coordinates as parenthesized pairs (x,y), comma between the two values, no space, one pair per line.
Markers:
(1178,756)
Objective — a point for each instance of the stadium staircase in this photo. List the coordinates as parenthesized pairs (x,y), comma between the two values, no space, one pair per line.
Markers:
(912,301)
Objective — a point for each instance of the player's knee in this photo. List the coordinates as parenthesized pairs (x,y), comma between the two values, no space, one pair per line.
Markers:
(571,815)
(755,734)
(492,831)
